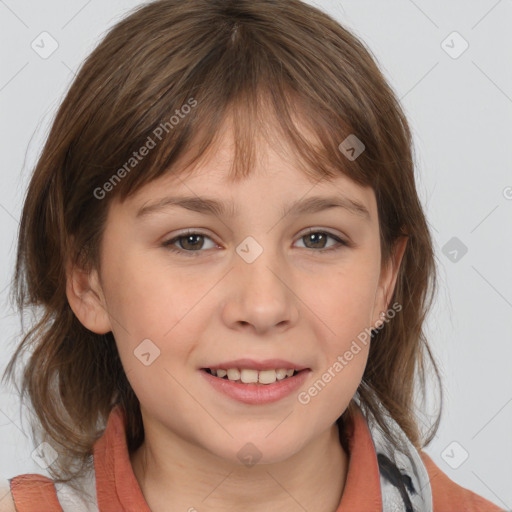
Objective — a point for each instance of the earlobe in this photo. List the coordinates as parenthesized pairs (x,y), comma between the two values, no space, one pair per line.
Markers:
(388,279)
(86,299)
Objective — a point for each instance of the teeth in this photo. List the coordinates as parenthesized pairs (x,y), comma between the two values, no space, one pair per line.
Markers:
(248,376)
(267,377)
(233,374)
(281,373)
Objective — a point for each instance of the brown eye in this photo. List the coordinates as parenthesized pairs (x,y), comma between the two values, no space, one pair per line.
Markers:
(318,239)
(188,244)
(191,242)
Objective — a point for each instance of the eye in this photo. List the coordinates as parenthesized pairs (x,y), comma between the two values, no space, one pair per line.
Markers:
(318,239)
(191,242)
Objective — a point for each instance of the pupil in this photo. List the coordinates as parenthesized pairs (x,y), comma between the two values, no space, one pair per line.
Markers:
(189,239)
(318,236)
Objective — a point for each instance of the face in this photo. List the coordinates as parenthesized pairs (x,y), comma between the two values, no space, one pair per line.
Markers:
(185,288)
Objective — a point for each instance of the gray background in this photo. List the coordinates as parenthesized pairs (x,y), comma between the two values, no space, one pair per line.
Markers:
(460,111)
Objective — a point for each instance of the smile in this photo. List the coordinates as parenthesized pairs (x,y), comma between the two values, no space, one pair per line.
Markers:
(249,376)
(255,392)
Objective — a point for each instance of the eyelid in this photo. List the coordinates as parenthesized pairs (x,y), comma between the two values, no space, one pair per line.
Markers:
(199,231)
(189,231)
(321,230)
(342,240)
(331,232)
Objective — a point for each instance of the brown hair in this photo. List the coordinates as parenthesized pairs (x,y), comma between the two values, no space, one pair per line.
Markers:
(223,58)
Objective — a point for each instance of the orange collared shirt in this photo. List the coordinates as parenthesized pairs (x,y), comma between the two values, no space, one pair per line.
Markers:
(117,489)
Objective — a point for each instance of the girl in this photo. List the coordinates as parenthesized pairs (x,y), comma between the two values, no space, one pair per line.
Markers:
(234,267)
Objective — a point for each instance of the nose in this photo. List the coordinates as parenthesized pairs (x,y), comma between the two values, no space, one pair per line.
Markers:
(260,295)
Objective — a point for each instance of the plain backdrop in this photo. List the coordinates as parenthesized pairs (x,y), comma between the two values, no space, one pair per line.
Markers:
(450,65)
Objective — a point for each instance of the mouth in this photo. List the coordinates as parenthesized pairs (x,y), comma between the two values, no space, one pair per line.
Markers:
(252,376)
(256,387)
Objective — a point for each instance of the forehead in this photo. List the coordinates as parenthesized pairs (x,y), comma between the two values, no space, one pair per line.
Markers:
(258,202)
(275,178)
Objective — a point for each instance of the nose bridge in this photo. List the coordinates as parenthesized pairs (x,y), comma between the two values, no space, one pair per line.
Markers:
(259,264)
(261,294)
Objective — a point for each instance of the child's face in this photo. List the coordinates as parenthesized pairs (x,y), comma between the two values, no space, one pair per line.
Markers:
(224,300)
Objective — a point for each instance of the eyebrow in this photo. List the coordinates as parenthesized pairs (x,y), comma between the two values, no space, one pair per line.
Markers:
(210,206)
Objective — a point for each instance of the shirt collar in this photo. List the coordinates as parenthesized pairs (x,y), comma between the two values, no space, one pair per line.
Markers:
(118,489)
(362,485)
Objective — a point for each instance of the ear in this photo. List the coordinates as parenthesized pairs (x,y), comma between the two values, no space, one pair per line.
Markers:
(387,280)
(86,299)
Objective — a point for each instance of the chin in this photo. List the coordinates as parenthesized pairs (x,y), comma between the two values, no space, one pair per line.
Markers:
(260,451)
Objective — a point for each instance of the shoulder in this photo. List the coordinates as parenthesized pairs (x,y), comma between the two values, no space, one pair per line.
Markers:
(6,500)
(28,493)
(449,496)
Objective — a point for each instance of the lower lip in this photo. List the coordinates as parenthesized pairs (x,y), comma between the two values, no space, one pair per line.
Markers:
(256,394)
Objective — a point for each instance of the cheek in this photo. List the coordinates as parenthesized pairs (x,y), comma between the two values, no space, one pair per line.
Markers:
(155,330)
(334,384)
(148,297)
(153,319)
(345,302)
(343,335)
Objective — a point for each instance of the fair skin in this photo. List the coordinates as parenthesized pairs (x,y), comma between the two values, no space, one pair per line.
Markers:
(295,302)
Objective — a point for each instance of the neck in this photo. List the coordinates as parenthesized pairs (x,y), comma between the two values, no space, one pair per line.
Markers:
(179,476)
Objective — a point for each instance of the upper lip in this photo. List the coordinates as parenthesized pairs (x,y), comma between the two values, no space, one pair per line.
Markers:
(251,364)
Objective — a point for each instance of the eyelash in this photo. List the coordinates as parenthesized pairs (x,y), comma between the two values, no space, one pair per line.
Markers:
(169,244)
